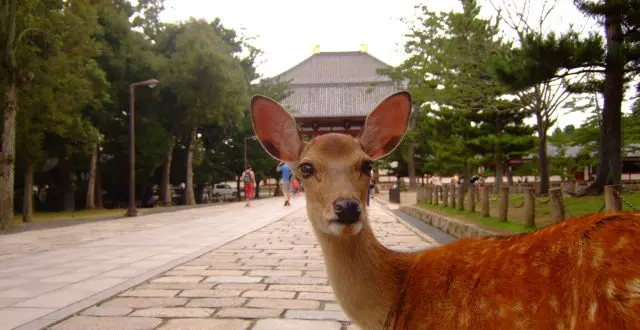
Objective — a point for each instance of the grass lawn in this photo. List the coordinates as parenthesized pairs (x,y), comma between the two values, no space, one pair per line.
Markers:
(574,206)
(40,217)
(490,223)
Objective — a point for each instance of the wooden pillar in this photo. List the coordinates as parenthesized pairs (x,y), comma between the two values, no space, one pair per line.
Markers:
(529,206)
(453,196)
(485,200)
(504,203)
(472,199)
(429,196)
(612,200)
(460,201)
(445,195)
(557,204)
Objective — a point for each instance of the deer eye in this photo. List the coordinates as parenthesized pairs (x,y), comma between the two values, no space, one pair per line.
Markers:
(307,170)
(367,167)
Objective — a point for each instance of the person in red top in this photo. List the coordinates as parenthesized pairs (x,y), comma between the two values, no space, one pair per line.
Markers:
(249,179)
(296,191)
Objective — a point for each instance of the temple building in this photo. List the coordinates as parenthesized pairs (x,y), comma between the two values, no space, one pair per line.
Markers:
(334,91)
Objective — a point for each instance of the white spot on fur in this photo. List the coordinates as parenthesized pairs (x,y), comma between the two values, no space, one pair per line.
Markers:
(523,249)
(622,241)
(610,288)
(597,257)
(633,289)
(554,303)
(517,307)
(593,308)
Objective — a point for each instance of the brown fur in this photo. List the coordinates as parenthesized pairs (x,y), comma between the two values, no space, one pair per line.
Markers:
(583,273)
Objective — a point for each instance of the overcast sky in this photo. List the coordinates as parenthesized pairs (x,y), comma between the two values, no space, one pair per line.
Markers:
(287,30)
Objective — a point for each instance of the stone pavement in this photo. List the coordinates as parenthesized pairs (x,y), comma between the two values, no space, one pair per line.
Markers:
(272,278)
(47,275)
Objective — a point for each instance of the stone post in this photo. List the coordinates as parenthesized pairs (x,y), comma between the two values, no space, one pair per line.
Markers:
(460,201)
(557,204)
(445,195)
(436,198)
(529,206)
(453,196)
(484,191)
(472,199)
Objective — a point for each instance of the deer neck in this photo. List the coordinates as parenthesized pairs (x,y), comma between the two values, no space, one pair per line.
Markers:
(366,277)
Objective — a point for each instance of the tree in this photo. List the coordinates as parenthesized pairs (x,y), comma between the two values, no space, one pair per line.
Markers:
(208,81)
(449,65)
(15,26)
(64,79)
(542,97)
(619,61)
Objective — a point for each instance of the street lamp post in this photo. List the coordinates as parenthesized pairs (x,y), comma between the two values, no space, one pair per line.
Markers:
(132,211)
(245,149)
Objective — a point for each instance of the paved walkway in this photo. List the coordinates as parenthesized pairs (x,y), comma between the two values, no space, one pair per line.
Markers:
(272,278)
(47,275)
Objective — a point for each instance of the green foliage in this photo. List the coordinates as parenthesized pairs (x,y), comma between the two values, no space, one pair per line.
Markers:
(205,76)
(463,120)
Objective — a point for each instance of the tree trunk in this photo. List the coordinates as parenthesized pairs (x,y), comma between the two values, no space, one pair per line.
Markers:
(610,168)
(411,166)
(543,159)
(257,188)
(238,190)
(91,183)
(411,150)
(27,202)
(7,159)
(509,173)
(189,197)
(98,191)
(467,175)
(499,173)
(165,186)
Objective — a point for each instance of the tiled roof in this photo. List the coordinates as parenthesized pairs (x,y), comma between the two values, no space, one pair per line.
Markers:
(336,84)
(336,100)
(336,67)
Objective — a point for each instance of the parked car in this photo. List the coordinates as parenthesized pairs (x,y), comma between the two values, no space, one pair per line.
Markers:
(224,190)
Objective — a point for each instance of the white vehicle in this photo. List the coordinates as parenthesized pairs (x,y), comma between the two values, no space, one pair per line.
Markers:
(224,190)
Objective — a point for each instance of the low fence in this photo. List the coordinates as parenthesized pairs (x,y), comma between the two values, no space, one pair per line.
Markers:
(458,197)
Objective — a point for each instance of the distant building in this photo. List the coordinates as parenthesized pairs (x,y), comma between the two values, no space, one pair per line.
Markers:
(334,91)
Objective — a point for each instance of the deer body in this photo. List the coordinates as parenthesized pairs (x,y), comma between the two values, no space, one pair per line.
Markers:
(580,274)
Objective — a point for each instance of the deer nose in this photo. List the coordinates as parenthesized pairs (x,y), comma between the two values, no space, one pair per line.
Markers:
(347,210)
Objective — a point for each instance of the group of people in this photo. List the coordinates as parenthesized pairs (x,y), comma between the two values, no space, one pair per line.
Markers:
(289,184)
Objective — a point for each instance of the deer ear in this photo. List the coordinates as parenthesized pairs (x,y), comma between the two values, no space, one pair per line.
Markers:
(386,125)
(276,129)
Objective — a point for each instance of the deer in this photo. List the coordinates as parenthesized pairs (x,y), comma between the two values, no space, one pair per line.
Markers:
(582,273)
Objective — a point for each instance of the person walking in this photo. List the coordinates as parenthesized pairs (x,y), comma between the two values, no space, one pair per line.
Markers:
(249,179)
(371,190)
(295,186)
(285,171)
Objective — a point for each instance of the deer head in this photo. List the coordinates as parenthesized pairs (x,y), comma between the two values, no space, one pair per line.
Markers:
(335,168)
